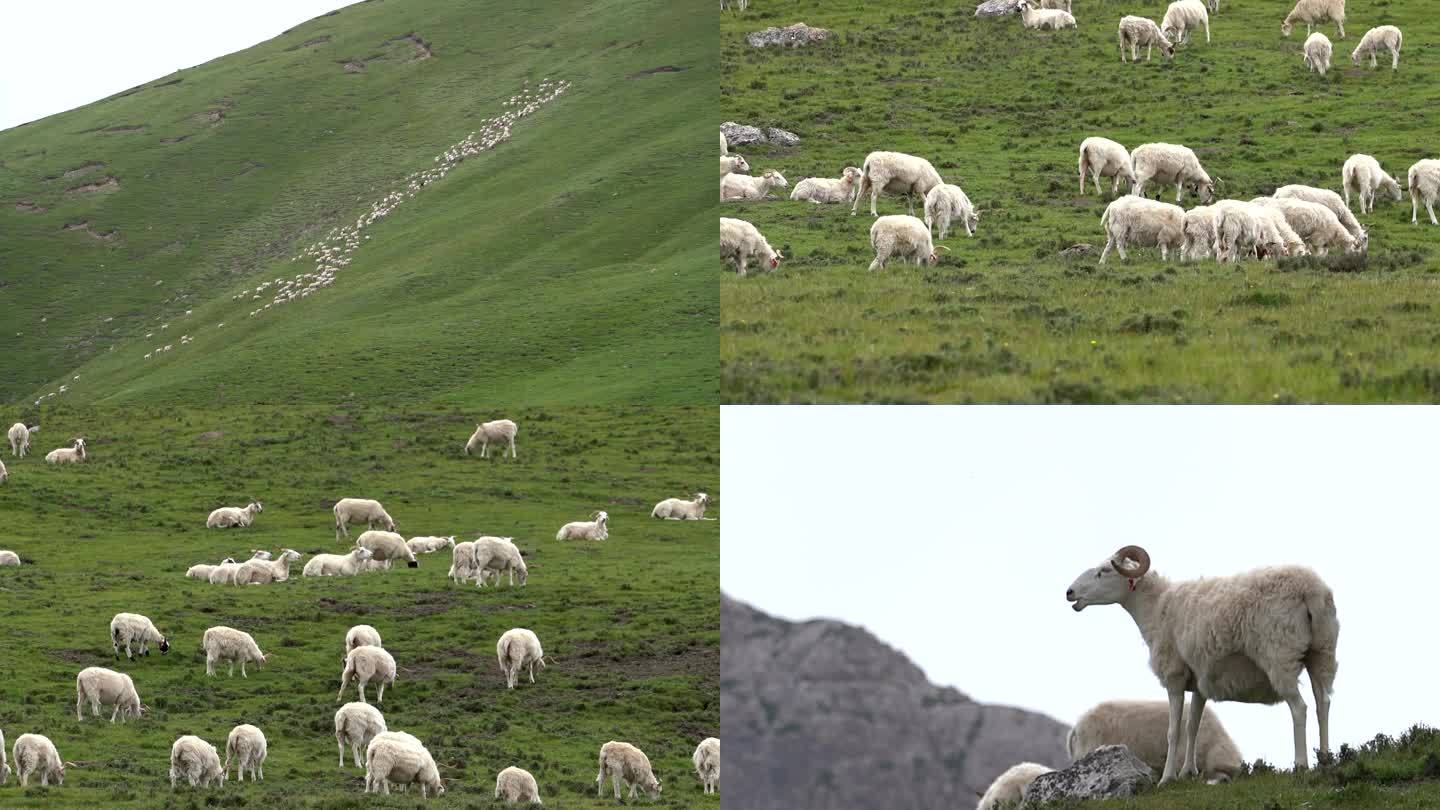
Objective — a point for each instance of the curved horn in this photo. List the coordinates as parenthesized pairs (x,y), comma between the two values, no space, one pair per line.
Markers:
(942,247)
(1138,555)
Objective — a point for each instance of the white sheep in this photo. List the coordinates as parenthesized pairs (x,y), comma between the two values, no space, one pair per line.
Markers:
(593,529)
(461,561)
(724,142)
(196,761)
(1181,17)
(625,763)
(1167,163)
(1140,725)
(1317,225)
(1009,788)
(429,545)
(1243,638)
(132,628)
(895,173)
(67,455)
(337,565)
(227,516)
(9,557)
(394,756)
(740,241)
(34,755)
(1200,233)
(106,687)
(203,570)
(227,644)
(360,510)
(1034,15)
(1327,198)
(1424,182)
(246,746)
(746,187)
(497,555)
(1244,228)
(356,724)
(1364,175)
(1383,36)
(707,763)
(366,663)
(1317,52)
(1314,12)
(4,763)
(820,190)
(263,572)
(903,237)
(362,635)
(678,509)
(1134,32)
(947,202)
(1138,221)
(517,785)
(519,649)
(387,547)
(19,436)
(226,573)
(4,473)
(1102,157)
(733,164)
(498,431)
(1290,242)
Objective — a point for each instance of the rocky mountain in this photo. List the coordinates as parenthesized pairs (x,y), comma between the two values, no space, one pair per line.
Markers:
(820,715)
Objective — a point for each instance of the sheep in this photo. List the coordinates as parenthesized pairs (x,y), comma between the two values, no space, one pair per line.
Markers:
(820,190)
(461,561)
(227,516)
(1167,163)
(724,144)
(1424,182)
(1383,36)
(903,237)
(1009,788)
(4,764)
(594,529)
(1244,228)
(739,241)
(1102,157)
(246,745)
(895,173)
(387,547)
(745,187)
(394,756)
(4,474)
(1327,198)
(1034,15)
(9,557)
(498,555)
(517,785)
(946,202)
(1364,174)
(360,510)
(1317,52)
(203,570)
(707,763)
(197,761)
(1314,12)
(733,164)
(519,648)
(19,436)
(428,545)
(227,644)
(97,686)
(1290,241)
(34,754)
(132,628)
(1136,31)
(677,509)
(362,635)
(67,455)
(1181,17)
(262,572)
(500,430)
(1138,221)
(1317,225)
(226,573)
(366,663)
(625,763)
(356,724)
(1242,638)
(1200,233)
(1140,726)
(337,565)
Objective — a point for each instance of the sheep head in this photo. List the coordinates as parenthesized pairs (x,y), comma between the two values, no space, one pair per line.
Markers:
(164,646)
(1111,581)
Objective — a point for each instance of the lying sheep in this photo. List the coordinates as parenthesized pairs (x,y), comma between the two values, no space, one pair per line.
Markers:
(1008,789)
(740,241)
(625,763)
(203,570)
(707,763)
(230,645)
(947,202)
(429,545)
(593,529)
(360,510)
(337,565)
(1032,15)
(362,635)
(498,431)
(820,190)
(132,628)
(67,455)
(733,164)
(1327,198)
(364,664)
(263,572)
(1317,53)
(1364,174)
(387,547)
(677,509)
(246,746)
(1134,32)
(356,724)
(1141,726)
(1131,220)
(1314,12)
(1167,163)
(197,761)
(1424,181)
(519,648)
(227,516)
(498,555)
(1181,17)
(394,756)
(517,785)
(1384,36)
(106,687)
(19,436)
(895,173)
(226,573)
(745,187)
(9,557)
(903,237)
(36,755)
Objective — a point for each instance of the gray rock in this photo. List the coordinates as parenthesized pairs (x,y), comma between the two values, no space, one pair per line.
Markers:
(740,135)
(997,8)
(1106,772)
(1078,249)
(780,137)
(792,36)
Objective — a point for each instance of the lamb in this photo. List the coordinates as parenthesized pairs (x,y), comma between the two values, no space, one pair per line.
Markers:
(1364,174)
(67,455)
(97,686)
(197,761)
(9,557)
(624,762)
(498,555)
(1140,725)
(19,436)
(1383,36)
(1424,182)
(500,430)
(733,164)
(428,545)
(337,565)
(226,573)
(132,628)
(203,570)
(366,663)
(740,241)
(387,547)
(394,756)
(745,187)
(246,745)
(1136,31)
(1102,157)
(1009,788)
(594,529)
(1182,16)
(227,516)
(946,202)
(1131,220)
(517,785)
(1317,53)
(362,635)
(519,648)
(707,763)
(360,510)
(34,754)
(1200,233)
(820,190)
(356,724)
(1317,225)
(1314,12)
(677,509)
(462,561)
(904,237)
(895,173)
(1327,198)
(1033,15)
(1243,638)
(230,645)
(1167,163)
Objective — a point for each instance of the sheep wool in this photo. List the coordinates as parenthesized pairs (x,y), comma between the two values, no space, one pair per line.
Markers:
(628,765)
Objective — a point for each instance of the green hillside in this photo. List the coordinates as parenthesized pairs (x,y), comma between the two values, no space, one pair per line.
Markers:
(1001,111)
(555,268)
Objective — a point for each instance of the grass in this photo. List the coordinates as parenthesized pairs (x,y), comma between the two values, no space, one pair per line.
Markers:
(1005,317)
(632,623)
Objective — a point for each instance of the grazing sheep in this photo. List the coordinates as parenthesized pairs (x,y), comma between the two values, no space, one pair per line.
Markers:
(227,516)
(132,628)
(519,648)
(1316,225)
(360,510)
(9,557)
(825,190)
(36,755)
(707,763)
(362,635)
(197,761)
(677,509)
(386,547)
(1364,174)
(895,173)
(203,570)
(1131,220)
(593,529)
(1314,12)
(745,187)
(1241,638)
(1181,17)
(1290,241)
(497,555)
(625,763)
(1243,228)
(1137,31)
(366,663)
(517,785)
(1327,198)
(903,237)
(337,565)
(67,455)
(1424,182)
(1200,233)
(1317,53)
(394,756)
(461,561)
(1034,15)
(1167,163)
(428,545)
(1009,788)
(19,436)
(947,202)
(739,241)
(263,572)
(246,745)
(356,724)
(230,645)
(500,430)
(1140,725)
(99,686)
(1384,36)
(733,164)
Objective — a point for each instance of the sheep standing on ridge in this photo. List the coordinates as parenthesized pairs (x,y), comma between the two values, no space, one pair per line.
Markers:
(947,202)
(1141,725)
(593,529)
(387,547)
(227,516)
(733,164)
(1138,221)
(517,785)
(366,663)
(825,190)
(677,509)
(1034,15)
(500,430)
(360,510)
(67,455)
(1167,163)
(132,628)
(356,724)
(230,645)
(1363,174)
(1009,788)
(1183,16)
(519,649)
(196,761)
(337,565)
(740,241)
(707,763)
(903,237)
(745,187)
(246,745)
(1136,31)
(19,436)
(895,173)
(1314,12)
(106,687)
(1327,198)
(1384,36)
(1424,182)
(625,763)
(1317,52)
(394,756)
(36,755)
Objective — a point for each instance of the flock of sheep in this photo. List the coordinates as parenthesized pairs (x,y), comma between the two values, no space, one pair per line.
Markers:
(391,757)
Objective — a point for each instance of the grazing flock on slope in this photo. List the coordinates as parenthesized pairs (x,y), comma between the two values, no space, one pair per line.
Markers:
(1296,221)
(391,757)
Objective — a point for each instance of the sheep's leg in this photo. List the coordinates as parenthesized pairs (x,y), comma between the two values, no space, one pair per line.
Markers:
(532,671)
(380,698)
(1430,208)
(1172,735)
(616,776)
(1207,29)
(231,673)
(1297,717)
(1109,242)
(115,713)
(1149,49)
(1414,207)
(341,745)
(1192,730)
(1322,714)
(361,684)
(1394,58)
(358,763)
(512,448)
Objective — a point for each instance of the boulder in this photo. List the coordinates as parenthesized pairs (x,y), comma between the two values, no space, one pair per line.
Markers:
(1106,772)
(997,8)
(740,135)
(792,36)
(780,137)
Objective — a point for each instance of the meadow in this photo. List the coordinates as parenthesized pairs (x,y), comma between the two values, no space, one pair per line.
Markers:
(1008,316)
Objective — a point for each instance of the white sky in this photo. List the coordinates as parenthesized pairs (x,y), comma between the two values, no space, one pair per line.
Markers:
(951,533)
(63,54)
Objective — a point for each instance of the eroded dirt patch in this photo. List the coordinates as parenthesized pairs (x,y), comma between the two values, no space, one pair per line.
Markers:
(174,140)
(594,656)
(353,66)
(309,43)
(662,69)
(108,184)
(29,207)
(83,169)
(84,227)
(123,128)
(421,49)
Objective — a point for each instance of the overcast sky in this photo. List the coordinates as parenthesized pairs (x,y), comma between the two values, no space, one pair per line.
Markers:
(952,534)
(63,54)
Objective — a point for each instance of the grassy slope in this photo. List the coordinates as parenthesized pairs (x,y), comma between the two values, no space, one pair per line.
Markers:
(1001,111)
(564,254)
(632,622)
